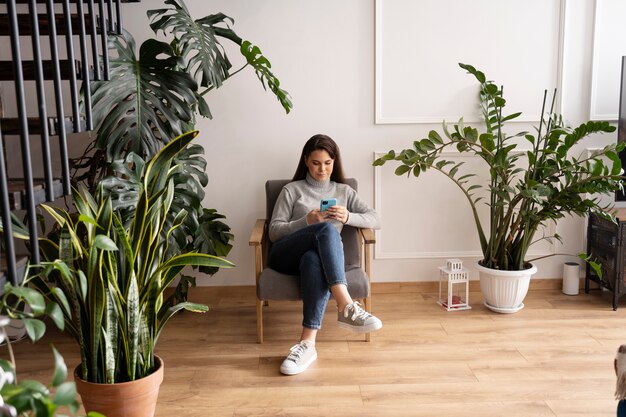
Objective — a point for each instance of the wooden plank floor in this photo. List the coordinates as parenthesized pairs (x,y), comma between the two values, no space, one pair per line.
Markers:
(553,358)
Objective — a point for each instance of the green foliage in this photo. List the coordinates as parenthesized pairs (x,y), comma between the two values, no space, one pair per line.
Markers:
(109,273)
(553,182)
(31,397)
(147,101)
(154,95)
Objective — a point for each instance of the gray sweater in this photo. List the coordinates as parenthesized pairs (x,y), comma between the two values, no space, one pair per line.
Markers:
(298,198)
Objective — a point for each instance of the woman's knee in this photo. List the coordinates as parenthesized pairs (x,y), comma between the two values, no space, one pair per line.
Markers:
(310,260)
(327,230)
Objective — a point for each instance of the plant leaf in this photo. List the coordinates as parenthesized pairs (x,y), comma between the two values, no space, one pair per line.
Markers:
(60,369)
(34,328)
(147,98)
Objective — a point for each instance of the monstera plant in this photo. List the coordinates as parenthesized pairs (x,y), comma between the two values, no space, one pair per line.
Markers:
(155,93)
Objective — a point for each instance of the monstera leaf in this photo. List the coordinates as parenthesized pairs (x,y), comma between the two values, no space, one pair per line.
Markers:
(262,68)
(196,40)
(146,101)
(204,57)
(201,230)
(213,237)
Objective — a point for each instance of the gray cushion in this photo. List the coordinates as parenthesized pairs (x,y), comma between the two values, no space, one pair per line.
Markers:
(276,286)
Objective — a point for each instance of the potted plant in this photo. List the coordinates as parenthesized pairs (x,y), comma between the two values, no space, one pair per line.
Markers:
(109,277)
(527,186)
(154,94)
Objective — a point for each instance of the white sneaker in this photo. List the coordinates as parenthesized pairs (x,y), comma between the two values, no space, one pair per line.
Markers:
(355,318)
(300,357)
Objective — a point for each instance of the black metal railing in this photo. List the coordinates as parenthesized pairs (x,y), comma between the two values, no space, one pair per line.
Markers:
(62,21)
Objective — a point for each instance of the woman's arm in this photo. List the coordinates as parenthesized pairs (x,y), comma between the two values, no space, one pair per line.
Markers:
(281,223)
(361,215)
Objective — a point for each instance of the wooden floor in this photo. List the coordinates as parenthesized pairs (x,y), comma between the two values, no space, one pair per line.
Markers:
(553,358)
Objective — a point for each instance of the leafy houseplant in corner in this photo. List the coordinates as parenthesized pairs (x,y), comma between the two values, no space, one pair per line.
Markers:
(109,277)
(526,188)
(154,94)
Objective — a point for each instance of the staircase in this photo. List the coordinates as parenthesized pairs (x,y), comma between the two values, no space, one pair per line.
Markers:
(56,50)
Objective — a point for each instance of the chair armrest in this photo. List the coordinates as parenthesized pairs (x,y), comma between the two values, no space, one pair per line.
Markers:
(256,237)
(368,236)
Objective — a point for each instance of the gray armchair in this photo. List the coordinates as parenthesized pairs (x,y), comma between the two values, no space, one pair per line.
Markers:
(274,286)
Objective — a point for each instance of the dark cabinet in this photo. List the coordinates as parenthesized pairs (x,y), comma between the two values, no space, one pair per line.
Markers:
(605,243)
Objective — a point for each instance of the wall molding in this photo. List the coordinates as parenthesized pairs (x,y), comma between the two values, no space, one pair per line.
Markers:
(380,250)
(606,62)
(421,115)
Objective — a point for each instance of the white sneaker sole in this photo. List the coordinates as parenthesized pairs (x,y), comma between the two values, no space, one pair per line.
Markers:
(303,367)
(361,329)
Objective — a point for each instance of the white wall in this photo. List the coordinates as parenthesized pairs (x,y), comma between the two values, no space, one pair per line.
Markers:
(324,54)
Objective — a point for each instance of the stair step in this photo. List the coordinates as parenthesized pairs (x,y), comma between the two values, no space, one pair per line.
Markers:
(17,192)
(28,70)
(11,125)
(23,24)
(20,263)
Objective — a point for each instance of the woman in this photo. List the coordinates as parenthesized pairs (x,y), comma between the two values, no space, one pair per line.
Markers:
(307,242)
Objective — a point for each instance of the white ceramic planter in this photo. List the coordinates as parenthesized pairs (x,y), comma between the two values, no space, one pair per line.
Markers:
(504,291)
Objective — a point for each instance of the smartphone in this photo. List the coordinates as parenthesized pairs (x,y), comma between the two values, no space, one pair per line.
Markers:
(326,203)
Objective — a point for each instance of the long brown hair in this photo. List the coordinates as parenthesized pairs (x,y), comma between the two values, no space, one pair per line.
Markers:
(320,143)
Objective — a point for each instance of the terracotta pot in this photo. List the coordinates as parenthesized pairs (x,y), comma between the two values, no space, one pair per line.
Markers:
(125,399)
(504,291)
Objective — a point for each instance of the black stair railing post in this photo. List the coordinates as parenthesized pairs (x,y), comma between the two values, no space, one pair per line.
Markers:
(41,101)
(104,38)
(21,109)
(110,14)
(94,40)
(85,65)
(118,14)
(9,246)
(69,45)
(58,97)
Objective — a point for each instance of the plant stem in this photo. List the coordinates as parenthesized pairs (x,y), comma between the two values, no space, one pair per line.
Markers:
(10,349)
(229,75)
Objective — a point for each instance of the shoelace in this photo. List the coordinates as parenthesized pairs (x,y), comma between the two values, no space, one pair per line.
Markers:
(357,312)
(297,351)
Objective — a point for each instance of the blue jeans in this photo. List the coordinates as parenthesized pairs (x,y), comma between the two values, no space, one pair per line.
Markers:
(621,408)
(316,254)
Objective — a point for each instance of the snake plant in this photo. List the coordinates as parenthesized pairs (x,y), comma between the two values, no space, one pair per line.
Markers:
(522,194)
(110,276)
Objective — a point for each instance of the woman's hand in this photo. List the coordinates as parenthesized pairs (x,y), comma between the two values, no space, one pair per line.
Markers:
(315,216)
(339,213)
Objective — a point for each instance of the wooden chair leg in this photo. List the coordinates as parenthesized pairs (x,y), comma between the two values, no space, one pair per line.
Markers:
(259,321)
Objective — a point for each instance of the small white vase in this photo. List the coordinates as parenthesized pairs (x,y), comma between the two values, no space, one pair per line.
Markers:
(504,291)
(571,278)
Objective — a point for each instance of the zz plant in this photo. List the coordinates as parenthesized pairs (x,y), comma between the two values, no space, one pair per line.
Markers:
(109,274)
(526,188)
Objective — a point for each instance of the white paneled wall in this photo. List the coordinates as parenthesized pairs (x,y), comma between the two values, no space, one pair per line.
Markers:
(324,53)
(419,44)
